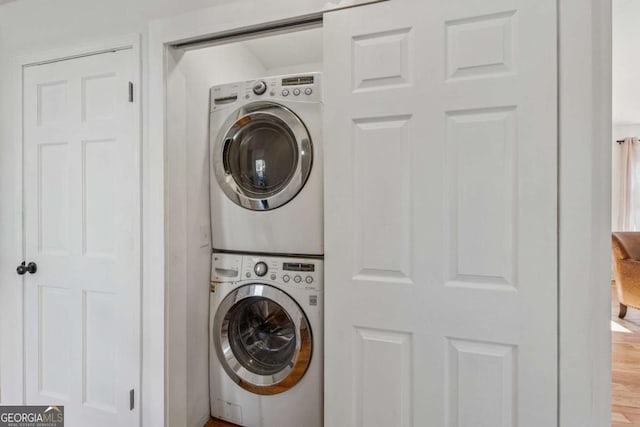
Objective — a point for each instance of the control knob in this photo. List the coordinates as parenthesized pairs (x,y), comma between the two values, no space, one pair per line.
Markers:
(259,87)
(260,269)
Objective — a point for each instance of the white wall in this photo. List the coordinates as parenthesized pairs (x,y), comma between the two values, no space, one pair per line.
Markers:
(626,84)
(626,61)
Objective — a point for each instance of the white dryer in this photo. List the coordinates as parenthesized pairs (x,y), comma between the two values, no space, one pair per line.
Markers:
(266,159)
(266,341)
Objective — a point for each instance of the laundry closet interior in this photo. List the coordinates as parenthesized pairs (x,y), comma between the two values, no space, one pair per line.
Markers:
(295,54)
(437,194)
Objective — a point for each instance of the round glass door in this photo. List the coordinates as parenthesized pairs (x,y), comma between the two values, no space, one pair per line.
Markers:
(262,338)
(262,335)
(262,156)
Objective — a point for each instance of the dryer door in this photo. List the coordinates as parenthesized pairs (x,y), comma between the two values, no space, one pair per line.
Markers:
(262,339)
(262,156)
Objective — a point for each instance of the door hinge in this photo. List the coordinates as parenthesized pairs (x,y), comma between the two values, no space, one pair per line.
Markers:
(132,399)
(130,91)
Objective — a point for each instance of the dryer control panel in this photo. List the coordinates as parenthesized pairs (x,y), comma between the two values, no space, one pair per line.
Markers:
(299,273)
(296,88)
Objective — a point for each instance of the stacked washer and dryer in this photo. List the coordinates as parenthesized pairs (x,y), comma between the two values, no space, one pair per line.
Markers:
(266,334)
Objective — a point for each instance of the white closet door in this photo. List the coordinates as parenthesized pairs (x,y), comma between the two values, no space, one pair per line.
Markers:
(441,214)
(82,228)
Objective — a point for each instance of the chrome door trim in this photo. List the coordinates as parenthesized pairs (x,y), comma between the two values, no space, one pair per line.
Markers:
(255,383)
(232,125)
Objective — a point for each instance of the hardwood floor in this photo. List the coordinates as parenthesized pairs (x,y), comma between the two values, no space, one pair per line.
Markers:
(625,335)
(219,423)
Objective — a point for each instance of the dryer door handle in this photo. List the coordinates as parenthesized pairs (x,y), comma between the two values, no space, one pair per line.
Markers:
(225,155)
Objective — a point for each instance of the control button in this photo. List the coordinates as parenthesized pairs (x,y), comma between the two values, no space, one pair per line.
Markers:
(260,269)
(308,279)
(308,91)
(248,274)
(285,92)
(259,87)
(297,278)
(286,278)
(273,276)
(296,91)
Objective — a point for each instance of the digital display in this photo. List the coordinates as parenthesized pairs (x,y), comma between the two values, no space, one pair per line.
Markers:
(302,80)
(293,266)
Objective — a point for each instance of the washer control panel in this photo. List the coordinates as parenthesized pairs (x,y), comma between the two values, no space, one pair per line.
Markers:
(298,87)
(259,87)
(260,268)
(299,273)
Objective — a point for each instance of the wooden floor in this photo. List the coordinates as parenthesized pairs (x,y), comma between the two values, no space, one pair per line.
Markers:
(219,423)
(626,366)
(625,335)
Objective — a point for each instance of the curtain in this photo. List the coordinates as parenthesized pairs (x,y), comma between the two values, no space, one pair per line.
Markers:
(628,203)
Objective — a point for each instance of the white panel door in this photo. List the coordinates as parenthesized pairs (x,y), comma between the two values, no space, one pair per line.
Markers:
(82,228)
(441,214)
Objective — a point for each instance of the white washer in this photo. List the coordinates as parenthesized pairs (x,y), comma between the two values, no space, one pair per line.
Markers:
(266,160)
(266,340)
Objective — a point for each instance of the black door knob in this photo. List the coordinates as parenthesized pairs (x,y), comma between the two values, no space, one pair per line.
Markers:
(24,268)
(32,267)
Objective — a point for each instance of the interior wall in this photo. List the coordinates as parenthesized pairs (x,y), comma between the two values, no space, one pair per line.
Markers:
(625,62)
(626,85)
(294,69)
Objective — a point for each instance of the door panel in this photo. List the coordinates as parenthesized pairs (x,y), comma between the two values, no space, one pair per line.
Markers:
(441,214)
(82,210)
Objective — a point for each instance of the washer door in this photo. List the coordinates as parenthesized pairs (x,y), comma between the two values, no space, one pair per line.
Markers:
(262,338)
(262,156)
